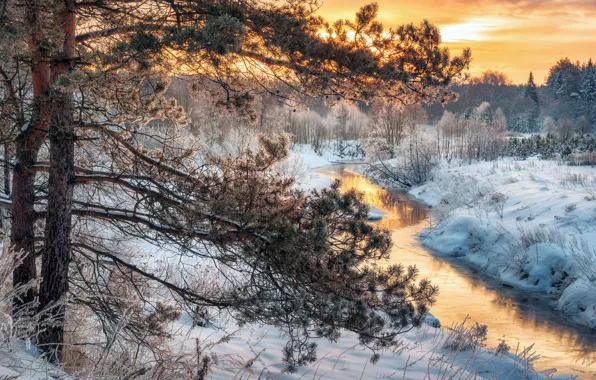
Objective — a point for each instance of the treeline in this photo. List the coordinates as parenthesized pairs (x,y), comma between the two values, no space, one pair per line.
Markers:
(567,99)
(550,146)
(340,130)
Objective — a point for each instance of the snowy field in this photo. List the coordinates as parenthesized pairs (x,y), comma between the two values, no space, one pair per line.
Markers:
(528,223)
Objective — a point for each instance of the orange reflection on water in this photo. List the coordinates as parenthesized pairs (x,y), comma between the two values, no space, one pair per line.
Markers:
(398,211)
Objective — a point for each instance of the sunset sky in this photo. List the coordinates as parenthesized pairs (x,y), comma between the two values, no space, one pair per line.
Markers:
(513,36)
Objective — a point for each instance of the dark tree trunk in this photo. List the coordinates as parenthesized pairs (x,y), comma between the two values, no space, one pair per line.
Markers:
(23,218)
(55,259)
(28,143)
(7,158)
(6,173)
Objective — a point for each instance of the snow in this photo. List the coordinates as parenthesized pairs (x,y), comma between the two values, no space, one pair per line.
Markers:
(19,362)
(527,223)
(256,351)
(375,216)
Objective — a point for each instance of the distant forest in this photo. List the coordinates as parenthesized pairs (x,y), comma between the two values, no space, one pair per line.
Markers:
(568,97)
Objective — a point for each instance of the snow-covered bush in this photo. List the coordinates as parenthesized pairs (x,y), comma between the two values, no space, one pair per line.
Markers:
(580,159)
(294,168)
(497,201)
(456,191)
(347,149)
(415,159)
(390,123)
(585,256)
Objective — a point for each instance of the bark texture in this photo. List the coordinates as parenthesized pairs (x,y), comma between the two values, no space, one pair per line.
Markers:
(28,144)
(55,259)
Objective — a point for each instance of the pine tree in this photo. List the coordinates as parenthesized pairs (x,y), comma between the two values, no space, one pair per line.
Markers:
(125,52)
(533,114)
(564,79)
(589,83)
(488,115)
(469,113)
(589,93)
(530,90)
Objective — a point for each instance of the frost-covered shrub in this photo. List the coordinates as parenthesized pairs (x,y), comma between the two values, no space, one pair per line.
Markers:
(462,338)
(348,149)
(590,194)
(580,159)
(541,235)
(294,168)
(478,135)
(415,159)
(457,191)
(497,201)
(518,243)
(575,179)
(503,348)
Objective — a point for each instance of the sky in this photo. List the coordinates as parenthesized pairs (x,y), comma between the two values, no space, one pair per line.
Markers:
(512,36)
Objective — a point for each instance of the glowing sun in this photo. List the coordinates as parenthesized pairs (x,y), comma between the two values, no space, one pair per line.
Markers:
(473,30)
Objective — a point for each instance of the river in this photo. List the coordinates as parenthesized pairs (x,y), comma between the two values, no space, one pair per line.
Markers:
(518,318)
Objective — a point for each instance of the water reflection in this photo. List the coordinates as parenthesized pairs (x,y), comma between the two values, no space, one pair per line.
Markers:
(397,209)
(513,316)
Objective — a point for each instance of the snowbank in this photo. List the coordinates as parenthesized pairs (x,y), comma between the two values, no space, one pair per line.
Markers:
(18,362)
(528,223)
(255,352)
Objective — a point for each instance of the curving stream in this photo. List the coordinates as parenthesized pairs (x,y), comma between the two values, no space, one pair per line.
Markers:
(517,317)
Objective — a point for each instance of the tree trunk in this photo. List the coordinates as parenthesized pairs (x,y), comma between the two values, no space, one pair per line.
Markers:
(7,158)
(23,221)
(28,143)
(6,167)
(55,259)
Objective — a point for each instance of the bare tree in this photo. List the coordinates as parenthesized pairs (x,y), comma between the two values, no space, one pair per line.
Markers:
(389,122)
(565,129)
(481,136)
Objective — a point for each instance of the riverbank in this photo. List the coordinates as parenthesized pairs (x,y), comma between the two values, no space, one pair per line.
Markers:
(528,223)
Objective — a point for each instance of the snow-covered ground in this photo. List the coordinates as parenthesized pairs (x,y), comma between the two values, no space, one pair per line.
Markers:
(425,353)
(256,351)
(528,223)
(18,362)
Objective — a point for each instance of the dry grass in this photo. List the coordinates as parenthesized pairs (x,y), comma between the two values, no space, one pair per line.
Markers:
(581,159)
(464,338)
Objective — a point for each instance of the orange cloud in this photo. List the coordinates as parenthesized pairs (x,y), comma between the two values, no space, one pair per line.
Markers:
(513,36)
